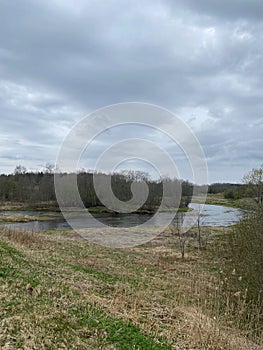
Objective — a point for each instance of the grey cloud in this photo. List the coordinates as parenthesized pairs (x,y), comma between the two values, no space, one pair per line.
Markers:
(59,61)
(231,10)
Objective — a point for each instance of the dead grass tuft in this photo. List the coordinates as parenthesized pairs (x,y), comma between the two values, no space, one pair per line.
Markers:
(22,237)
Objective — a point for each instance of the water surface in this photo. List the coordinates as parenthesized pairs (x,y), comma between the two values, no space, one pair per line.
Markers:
(212,215)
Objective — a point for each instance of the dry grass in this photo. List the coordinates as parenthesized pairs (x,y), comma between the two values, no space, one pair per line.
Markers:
(22,237)
(48,282)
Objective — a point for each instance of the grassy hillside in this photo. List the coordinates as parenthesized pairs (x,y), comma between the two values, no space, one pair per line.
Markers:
(58,291)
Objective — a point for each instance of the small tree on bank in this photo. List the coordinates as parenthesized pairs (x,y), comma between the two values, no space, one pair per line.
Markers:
(254,182)
(202,235)
(177,231)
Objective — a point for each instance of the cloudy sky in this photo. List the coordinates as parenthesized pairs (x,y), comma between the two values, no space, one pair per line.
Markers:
(202,60)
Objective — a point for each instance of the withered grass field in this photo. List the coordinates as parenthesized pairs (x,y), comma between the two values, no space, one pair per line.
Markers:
(58,291)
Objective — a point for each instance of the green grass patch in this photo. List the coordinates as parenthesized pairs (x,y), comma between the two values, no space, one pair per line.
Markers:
(98,274)
(7,248)
(124,335)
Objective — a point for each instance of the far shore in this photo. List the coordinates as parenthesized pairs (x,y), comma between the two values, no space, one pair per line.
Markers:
(48,211)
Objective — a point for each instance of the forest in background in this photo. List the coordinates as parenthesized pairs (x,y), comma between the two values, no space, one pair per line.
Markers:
(37,187)
(33,188)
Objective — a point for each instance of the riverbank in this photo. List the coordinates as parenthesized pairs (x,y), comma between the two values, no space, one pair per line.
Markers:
(52,207)
(218,199)
(17,212)
(20,206)
(13,217)
(60,289)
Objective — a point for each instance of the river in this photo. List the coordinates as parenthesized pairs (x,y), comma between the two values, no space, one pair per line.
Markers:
(212,215)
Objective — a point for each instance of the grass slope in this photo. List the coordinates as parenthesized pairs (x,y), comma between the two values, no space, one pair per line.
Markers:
(58,291)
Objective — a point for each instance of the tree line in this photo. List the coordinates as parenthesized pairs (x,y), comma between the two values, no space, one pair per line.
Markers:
(34,187)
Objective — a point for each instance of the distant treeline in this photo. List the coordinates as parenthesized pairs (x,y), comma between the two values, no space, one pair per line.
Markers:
(230,191)
(36,187)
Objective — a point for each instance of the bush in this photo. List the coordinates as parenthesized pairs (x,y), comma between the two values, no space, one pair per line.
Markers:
(231,194)
(244,268)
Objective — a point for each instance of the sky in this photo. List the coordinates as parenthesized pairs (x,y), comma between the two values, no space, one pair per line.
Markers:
(202,60)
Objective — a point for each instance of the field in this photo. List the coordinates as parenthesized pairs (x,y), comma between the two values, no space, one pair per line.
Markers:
(59,291)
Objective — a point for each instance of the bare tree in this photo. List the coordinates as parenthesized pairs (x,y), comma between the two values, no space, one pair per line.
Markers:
(20,169)
(49,168)
(199,222)
(177,230)
(202,237)
(254,181)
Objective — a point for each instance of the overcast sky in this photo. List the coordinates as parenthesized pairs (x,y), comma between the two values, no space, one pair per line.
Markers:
(202,60)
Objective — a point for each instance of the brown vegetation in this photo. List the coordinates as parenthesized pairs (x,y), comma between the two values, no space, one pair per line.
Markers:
(50,282)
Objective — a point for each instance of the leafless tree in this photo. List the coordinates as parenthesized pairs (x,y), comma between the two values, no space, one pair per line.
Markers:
(202,237)
(254,181)
(178,232)
(20,169)
(199,223)
(49,168)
